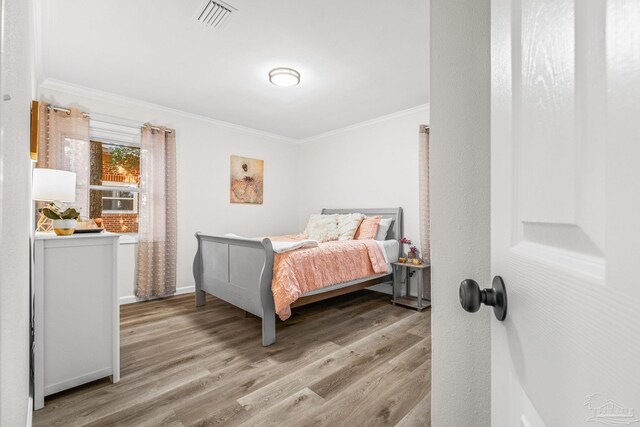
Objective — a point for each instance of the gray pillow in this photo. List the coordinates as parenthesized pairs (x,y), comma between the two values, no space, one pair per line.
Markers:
(383,228)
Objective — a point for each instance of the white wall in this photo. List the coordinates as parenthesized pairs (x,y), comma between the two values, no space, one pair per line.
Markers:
(203,150)
(460,183)
(366,166)
(341,169)
(127,272)
(15,207)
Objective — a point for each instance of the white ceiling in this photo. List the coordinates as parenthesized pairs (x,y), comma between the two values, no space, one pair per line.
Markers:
(359,59)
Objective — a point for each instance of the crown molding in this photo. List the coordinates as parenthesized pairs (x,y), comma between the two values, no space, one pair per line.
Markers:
(108,97)
(402,113)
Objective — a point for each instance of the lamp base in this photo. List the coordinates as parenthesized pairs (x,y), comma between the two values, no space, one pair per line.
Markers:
(44,224)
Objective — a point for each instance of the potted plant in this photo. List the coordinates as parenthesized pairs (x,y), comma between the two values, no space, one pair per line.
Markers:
(64,220)
(413,251)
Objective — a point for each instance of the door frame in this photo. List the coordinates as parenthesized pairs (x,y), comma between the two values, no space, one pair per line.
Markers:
(460,208)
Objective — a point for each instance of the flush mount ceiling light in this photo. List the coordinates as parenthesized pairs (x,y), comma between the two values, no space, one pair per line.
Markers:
(285,77)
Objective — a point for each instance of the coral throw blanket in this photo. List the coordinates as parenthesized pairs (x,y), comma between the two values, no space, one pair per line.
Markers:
(304,270)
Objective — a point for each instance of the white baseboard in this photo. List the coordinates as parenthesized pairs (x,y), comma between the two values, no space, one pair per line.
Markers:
(130,299)
(30,411)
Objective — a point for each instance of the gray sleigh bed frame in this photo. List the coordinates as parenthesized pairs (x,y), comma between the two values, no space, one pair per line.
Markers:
(239,271)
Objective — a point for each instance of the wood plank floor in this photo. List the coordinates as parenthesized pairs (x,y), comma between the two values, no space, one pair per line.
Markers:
(351,361)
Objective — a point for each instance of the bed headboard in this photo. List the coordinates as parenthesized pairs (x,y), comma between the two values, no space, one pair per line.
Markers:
(396,230)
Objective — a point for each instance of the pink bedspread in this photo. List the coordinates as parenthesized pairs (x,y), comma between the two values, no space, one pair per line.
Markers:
(304,270)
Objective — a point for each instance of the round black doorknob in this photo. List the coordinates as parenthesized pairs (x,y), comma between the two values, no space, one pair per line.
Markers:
(472,297)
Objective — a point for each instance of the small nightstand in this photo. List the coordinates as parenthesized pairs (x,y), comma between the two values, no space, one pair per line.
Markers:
(419,302)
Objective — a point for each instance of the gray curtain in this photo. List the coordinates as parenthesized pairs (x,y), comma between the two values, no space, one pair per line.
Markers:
(156,260)
(425,214)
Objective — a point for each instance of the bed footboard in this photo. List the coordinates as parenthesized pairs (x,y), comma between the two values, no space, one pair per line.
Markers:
(238,271)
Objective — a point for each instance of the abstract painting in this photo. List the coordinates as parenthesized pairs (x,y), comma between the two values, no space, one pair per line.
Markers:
(246,180)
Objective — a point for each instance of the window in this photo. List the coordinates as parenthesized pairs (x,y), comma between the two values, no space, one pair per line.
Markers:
(114,176)
(119,201)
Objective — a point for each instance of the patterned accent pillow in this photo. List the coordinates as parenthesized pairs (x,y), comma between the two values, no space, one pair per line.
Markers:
(368,228)
(348,224)
(322,228)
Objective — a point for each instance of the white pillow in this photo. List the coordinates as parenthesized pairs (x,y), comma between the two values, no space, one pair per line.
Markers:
(383,228)
(348,224)
(322,228)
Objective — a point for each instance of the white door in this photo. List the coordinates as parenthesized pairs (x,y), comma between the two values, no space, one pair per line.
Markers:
(566,212)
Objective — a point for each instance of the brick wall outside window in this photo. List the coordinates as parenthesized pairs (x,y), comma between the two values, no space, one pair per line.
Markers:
(125,222)
(120,223)
(114,173)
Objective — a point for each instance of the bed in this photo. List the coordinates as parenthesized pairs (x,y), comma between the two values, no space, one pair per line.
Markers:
(240,271)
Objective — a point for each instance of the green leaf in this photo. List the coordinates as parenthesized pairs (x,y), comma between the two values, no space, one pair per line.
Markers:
(51,214)
(70,213)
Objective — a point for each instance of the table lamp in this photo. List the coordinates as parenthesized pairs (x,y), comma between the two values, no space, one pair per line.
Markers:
(57,186)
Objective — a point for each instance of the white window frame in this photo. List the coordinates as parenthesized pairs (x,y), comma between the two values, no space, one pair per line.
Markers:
(116,131)
(119,186)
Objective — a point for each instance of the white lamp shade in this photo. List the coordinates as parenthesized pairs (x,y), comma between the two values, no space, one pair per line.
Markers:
(54,185)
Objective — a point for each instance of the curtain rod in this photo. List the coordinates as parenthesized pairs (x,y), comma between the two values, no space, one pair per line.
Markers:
(65,110)
(157,128)
(68,111)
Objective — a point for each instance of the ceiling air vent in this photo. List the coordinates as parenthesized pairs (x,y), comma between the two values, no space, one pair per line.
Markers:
(214,13)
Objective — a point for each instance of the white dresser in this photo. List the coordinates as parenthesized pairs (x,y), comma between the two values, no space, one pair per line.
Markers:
(76,311)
